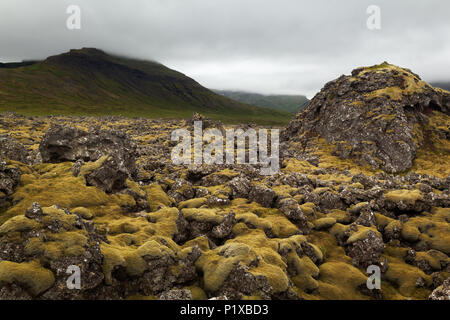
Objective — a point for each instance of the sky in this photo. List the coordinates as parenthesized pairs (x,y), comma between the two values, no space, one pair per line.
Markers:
(263,46)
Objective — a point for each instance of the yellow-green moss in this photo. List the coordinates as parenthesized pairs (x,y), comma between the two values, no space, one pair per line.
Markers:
(408,196)
(91,166)
(197,293)
(382,220)
(275,275)
(361,233)
(163,222)
(130,258)
(340,216)
(133,186)
(308,208)
(157,197)
(192,203)
(340,281)
(324,223)
(57,245)
(412,83)
(18,224)
(306,272)
(203,215)
(29,275)
(202,242)
(357,207)
(284,191)
(250,246)
(280,226)
(54,184)
(83,212)
(431,228)
(404,276)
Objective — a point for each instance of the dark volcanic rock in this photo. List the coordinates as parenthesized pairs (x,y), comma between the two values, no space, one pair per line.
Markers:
(176,294)
(110,176)
(160,275)
(291,210)
(241,282)
(240,187)
(366,251)
(181,190)
(45,242)
(62,144)
(12,150)
(377,116)
(9,180)
(262,195)
(224,229)
(206,122)
(442,292)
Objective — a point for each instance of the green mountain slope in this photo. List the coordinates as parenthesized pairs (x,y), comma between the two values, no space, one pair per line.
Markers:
(288,103)
(91,82)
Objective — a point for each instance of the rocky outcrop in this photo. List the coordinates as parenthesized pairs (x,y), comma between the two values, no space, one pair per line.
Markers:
(56,243)
(262,195)
(240,187)
(367,250)
(61,240)
(442,292)
(9,180)
(62,144)
(377,116)
(110,175)
(12,150)
(207,123)
(182,190)
(240,282)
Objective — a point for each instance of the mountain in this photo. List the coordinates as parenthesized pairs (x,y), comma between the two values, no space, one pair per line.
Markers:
(91,82)
(288,103)
(442,85)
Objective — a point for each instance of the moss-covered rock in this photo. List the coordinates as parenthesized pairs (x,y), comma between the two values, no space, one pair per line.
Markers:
(375,116)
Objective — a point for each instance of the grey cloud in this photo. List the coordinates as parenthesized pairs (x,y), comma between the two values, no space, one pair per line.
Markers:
(268,46)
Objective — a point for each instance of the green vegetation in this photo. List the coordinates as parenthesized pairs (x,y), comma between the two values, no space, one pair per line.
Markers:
(289,103)
(91,82)
(29,274)
(409,196)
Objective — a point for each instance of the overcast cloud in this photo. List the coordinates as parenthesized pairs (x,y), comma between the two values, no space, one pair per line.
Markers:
(266,46)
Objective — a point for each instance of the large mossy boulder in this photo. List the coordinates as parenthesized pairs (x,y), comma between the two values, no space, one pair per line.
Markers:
(379,116)
(61,144)
(110,155)
(12,150)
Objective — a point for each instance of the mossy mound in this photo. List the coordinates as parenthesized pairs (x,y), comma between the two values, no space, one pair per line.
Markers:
(380,116)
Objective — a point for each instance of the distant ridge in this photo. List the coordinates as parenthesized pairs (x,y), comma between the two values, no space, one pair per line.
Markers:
(89,81)
(288,103)
(442,85)
(11,65)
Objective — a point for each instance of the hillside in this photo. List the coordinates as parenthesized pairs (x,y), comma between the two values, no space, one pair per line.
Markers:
(92,82)
(288,103)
